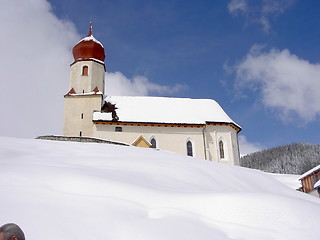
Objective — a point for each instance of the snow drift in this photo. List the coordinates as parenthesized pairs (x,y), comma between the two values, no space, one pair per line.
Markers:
(64,190)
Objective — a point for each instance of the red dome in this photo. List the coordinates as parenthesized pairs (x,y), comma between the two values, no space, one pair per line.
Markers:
(88,48)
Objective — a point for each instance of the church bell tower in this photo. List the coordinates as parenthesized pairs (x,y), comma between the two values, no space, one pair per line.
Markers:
(86,92)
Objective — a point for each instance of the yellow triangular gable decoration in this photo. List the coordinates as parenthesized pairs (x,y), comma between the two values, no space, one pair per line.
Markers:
(141,142)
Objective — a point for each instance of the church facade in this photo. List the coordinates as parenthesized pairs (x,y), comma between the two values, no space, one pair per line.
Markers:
(193,127)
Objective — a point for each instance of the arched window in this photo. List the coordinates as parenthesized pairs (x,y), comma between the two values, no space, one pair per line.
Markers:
(153,143)
(221,149)
(118,129)
(85,70)
(189,149)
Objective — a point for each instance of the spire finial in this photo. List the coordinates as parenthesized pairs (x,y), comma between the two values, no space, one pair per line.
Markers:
(90,29)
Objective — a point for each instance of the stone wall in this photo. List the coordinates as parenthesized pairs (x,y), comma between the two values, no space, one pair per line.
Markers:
(79,139)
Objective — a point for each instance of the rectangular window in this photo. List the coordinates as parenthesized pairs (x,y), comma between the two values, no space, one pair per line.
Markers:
(85,70)
(81,115)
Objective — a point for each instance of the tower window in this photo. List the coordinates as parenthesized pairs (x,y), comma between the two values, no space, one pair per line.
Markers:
(80,134)
(221,149)
(81,115)
(189,149)
(153,143)
(118,129)
(85,70)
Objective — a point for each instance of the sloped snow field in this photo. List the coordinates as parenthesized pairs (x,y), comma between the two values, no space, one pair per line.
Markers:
(65,190)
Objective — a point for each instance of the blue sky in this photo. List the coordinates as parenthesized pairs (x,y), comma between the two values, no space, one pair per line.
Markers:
(258,59)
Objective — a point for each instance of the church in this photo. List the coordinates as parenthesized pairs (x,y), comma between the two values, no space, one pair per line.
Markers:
(193,127)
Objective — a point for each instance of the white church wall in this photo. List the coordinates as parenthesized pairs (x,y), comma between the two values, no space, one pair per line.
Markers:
(78,112)
(226,134)
(172,139)
(235,148)
(86,83)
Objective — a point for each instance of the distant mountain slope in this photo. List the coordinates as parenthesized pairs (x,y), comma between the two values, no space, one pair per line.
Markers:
(295,158)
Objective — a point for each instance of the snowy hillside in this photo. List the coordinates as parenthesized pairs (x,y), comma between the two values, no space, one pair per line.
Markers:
(61,190)
(295,158)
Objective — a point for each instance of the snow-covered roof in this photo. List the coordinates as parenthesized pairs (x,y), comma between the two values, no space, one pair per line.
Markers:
(90,38)
(165,110)
(309,172)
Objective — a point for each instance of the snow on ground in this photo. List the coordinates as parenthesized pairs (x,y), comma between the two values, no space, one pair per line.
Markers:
(65,190)
(291,180)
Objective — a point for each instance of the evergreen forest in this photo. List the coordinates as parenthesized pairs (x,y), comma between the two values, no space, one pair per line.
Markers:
(295,158)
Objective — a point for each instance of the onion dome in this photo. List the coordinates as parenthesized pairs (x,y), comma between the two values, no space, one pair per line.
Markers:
(88,48)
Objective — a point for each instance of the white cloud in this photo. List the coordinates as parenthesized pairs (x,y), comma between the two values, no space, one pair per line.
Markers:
(118,84)
(272,8)
(35,56)
(237,6)
(275,6)
(247,147)
(286,83)
(259,12)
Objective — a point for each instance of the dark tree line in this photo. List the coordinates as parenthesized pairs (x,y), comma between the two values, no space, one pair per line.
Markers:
(295,158)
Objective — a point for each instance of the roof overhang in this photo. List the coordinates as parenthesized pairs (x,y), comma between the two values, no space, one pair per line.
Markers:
(234,126)
(155,124)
